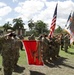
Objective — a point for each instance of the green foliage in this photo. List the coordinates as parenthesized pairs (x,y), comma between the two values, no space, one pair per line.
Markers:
(18,23)
(7,26)
(37,28)
(40,27)
(58,30)
(31,24)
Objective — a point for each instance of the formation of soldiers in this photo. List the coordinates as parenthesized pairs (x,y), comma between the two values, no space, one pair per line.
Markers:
(49,48)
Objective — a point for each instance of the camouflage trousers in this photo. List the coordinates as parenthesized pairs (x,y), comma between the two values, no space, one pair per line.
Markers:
(8,66)
(66,47)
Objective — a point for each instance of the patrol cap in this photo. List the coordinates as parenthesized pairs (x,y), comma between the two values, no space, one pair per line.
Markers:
(9,31)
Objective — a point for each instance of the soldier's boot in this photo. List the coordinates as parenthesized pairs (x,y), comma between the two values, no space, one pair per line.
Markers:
(66,51)
(15,63)
(53,58)
(61,47)
(49,59)
(9,72)
(57,55)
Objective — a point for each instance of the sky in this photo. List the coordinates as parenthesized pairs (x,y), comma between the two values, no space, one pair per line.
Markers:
(35,10)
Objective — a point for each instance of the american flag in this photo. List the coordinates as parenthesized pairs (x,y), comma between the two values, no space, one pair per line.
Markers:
(53,24)
(68,19)
(70,27)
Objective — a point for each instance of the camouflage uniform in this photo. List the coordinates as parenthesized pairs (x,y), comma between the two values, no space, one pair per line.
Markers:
(16,52)
(46,43)
(40,46)
(62,41)
(57,46)
(66,43)
(52,48)
(32,37)
(69,41)
(17,44)
(21,37)
(8,55)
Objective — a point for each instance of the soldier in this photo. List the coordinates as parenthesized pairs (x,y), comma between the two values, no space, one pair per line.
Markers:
(10,53)
(62,41)
(21,37)
(66,43)
(32,37)
(69,40)
(53,47)
(46,51)
(7,54)
(57,46)
(17,43)
(40,47)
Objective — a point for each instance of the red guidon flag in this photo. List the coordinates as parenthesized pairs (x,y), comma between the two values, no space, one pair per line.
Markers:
(33,52)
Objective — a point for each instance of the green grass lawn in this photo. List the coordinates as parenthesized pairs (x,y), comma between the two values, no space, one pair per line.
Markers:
(22,58)
(70,53)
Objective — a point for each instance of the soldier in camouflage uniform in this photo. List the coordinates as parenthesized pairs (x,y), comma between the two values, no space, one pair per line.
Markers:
(10,53)
(69,40)
(62,41)
(53,47)
(66,42)
(40,48)
(32,37)
(17,43)
(57,45)
(7,54)
(21,37)
(46,43)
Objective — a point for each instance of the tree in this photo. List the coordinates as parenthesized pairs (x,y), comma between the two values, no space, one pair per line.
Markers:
(18,23)
(18,26)
(7,26)
(58,30)
(31,24)
(40,27)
